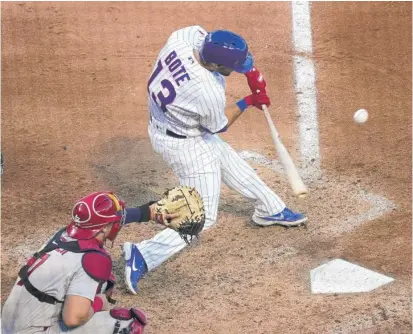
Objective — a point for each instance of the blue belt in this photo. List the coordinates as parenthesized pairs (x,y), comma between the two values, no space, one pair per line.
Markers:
(173,134)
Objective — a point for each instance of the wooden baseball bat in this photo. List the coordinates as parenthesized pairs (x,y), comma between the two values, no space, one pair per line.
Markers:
(294,178)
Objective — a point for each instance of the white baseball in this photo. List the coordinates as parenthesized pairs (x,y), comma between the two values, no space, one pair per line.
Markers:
(361,116)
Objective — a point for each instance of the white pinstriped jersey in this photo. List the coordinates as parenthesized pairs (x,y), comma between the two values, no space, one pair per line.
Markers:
(183,95)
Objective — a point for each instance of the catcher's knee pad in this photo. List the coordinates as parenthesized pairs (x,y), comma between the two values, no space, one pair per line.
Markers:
(135,327)
(123,314)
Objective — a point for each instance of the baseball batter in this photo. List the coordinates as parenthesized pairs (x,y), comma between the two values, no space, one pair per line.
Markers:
(188,109)
(62,288)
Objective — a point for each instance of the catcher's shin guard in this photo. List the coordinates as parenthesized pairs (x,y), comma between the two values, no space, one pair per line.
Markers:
(136,326)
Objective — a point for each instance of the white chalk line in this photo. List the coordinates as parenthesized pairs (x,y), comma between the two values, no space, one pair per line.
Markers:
(305,88)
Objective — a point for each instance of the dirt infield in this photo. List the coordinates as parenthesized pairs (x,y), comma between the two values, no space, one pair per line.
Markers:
(74,120)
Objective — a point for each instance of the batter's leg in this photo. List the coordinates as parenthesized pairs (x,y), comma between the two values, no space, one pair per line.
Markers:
(238,175)
(196,164)
(168,242)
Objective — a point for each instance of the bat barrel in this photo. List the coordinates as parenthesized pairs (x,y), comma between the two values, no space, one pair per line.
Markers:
(294,178)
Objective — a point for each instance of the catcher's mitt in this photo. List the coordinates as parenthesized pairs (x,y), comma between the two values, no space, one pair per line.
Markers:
(186,202)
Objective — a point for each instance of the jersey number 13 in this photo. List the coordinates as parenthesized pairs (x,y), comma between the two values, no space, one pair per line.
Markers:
(167,94)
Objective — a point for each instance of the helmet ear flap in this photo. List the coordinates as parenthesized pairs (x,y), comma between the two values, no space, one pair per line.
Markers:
(116,227)
(115,201)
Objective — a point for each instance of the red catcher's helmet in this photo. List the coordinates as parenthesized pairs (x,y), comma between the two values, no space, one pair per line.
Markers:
(95,211)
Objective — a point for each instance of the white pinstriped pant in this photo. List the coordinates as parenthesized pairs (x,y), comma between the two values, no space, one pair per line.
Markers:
(202,162)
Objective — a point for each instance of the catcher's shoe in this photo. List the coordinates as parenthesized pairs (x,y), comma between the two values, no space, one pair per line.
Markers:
(135,266)
(285,218)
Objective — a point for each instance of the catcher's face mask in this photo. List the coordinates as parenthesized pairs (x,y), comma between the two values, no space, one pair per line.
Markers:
(92,213)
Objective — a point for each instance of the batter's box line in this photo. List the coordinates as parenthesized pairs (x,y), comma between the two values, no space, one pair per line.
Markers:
(380,205)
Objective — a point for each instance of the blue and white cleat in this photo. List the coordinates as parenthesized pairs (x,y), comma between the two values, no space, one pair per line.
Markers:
(286,218)
(135,266)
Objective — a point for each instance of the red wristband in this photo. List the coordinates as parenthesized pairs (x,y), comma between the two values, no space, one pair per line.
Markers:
(97,304)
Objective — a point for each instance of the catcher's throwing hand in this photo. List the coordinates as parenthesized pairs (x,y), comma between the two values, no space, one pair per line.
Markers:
(107,288)
(181,209)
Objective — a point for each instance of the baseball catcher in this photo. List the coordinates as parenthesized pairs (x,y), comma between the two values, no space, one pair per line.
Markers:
(67,285)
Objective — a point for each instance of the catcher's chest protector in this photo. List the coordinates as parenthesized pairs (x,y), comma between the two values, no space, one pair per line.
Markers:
(96,262)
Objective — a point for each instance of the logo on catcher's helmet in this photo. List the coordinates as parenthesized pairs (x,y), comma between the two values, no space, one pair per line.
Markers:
(81,213)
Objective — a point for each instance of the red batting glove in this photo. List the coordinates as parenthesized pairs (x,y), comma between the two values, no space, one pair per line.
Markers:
(256,81)
(257,100)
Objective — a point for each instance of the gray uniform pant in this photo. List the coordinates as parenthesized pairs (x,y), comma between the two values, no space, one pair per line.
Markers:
(101,323)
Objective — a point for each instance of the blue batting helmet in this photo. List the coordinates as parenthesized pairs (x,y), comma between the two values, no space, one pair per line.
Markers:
(223,47)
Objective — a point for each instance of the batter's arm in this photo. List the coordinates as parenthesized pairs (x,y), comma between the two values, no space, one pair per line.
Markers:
(232,113)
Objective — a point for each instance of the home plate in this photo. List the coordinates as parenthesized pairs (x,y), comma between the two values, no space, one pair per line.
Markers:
(339,276)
